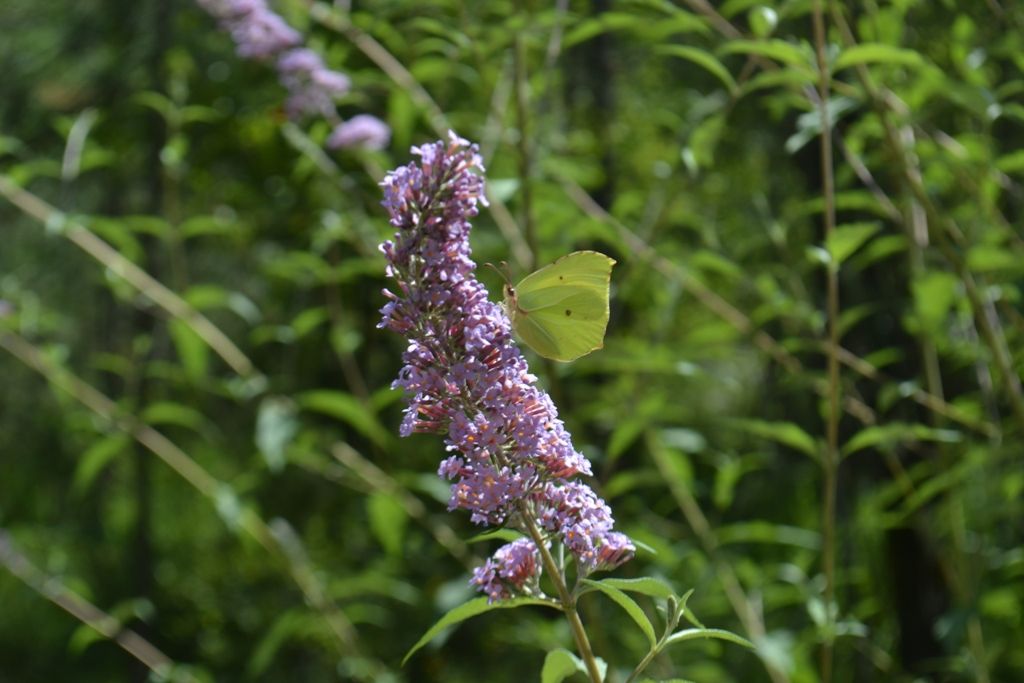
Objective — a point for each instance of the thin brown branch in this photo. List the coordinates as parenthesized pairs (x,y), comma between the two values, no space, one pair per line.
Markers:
(117,264)
(52,589)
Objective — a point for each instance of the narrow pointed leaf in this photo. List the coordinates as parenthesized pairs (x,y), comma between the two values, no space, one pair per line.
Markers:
(466,611)
(785,433)
(873,53)
(702,59)
(704,633)
(627,603)
(846,239)
(646,585)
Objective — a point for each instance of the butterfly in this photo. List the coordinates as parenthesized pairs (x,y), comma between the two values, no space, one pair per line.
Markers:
(561,311)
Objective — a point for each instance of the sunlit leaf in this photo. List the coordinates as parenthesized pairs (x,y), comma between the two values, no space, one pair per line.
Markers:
(561,664)
(778,50)
(785,433)
(876,53)
(646,585)
(97,457)
(192,350)
(848,238)
(705,633)
(897,432)
(629,605)
(347,409)
(388,520)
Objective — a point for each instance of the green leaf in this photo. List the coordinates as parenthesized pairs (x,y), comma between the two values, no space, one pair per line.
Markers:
(785,433)
(85,635)
(652,28)
(876,53)
(848,238)
(765,532)
(684,599)
(1012,162)
(934,295)
(171,413)
(96,457)
(308,321)
(559,665)
(778,50)
(467,611)
(625,434)
(645,585)
(762,20)
(192,351)
(627,603)
(388,520)
(348,409)
(704,633)
(702,59)
(198,226)
(289,625)
(895,433)
(986,258)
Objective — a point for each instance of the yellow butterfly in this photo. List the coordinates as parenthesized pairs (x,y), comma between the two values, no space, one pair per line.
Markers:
(561,311)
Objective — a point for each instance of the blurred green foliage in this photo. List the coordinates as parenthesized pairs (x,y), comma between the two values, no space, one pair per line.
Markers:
(286,533)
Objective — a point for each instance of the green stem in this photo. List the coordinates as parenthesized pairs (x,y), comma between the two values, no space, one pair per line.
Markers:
(579,634)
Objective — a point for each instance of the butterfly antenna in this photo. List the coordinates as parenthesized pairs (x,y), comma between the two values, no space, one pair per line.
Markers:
(502,270)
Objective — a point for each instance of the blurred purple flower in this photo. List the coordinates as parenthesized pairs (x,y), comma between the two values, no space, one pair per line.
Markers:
(5,308)
(312,87)
(257,30)
(260,33)
(466,378)
(362,130)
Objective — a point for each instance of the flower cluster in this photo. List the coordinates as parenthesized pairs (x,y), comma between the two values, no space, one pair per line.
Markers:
(260,33)
(465,377)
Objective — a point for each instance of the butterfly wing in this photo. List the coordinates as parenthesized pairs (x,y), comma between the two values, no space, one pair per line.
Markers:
(562,309)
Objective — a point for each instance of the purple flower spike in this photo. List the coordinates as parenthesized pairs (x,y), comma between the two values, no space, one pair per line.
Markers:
(465,378)
(362,130)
